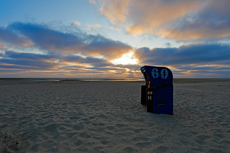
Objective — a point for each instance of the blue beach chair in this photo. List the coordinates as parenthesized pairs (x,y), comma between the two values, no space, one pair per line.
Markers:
(157,93)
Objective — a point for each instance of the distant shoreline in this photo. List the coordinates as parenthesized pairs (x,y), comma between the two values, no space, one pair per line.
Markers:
(69,80)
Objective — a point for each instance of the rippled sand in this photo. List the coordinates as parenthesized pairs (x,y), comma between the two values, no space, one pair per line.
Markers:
(74,116)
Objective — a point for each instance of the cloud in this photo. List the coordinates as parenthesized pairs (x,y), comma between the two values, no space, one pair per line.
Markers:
(196,57)
(17,60)
(3,46)
(90,27)
(76,54)
(17,64)
(95,62)
(94,26)
(181,20)
(92,1)
(76,23)
(210,22)
(115,10)
(7,35)
(26,64)
(113,28)
(136,29)
(208,71)
(43,37)
(148,16)
(13,59)
(144,16)
(197,60)
(64,54)
(29,56)
(99,45)
(186,54)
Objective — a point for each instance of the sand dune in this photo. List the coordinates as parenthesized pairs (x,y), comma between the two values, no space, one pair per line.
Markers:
(75,116)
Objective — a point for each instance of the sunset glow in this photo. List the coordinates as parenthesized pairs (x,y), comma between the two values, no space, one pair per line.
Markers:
(126,59)
(96,37)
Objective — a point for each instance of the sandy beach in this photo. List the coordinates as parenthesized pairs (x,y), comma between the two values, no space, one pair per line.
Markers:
(107,116)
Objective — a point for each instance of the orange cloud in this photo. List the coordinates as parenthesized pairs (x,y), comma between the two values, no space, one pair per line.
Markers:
(177,19)
(76,23)
(115,10)
(136,30)
(153,15)
(195,34)
(145,16)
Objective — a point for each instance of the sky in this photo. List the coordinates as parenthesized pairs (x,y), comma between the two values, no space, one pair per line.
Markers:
(114,38)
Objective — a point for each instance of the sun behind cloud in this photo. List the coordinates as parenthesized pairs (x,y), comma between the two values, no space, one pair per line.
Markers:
(125,59)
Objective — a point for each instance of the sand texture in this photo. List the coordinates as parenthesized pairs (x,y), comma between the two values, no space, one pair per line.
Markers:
(75,116)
